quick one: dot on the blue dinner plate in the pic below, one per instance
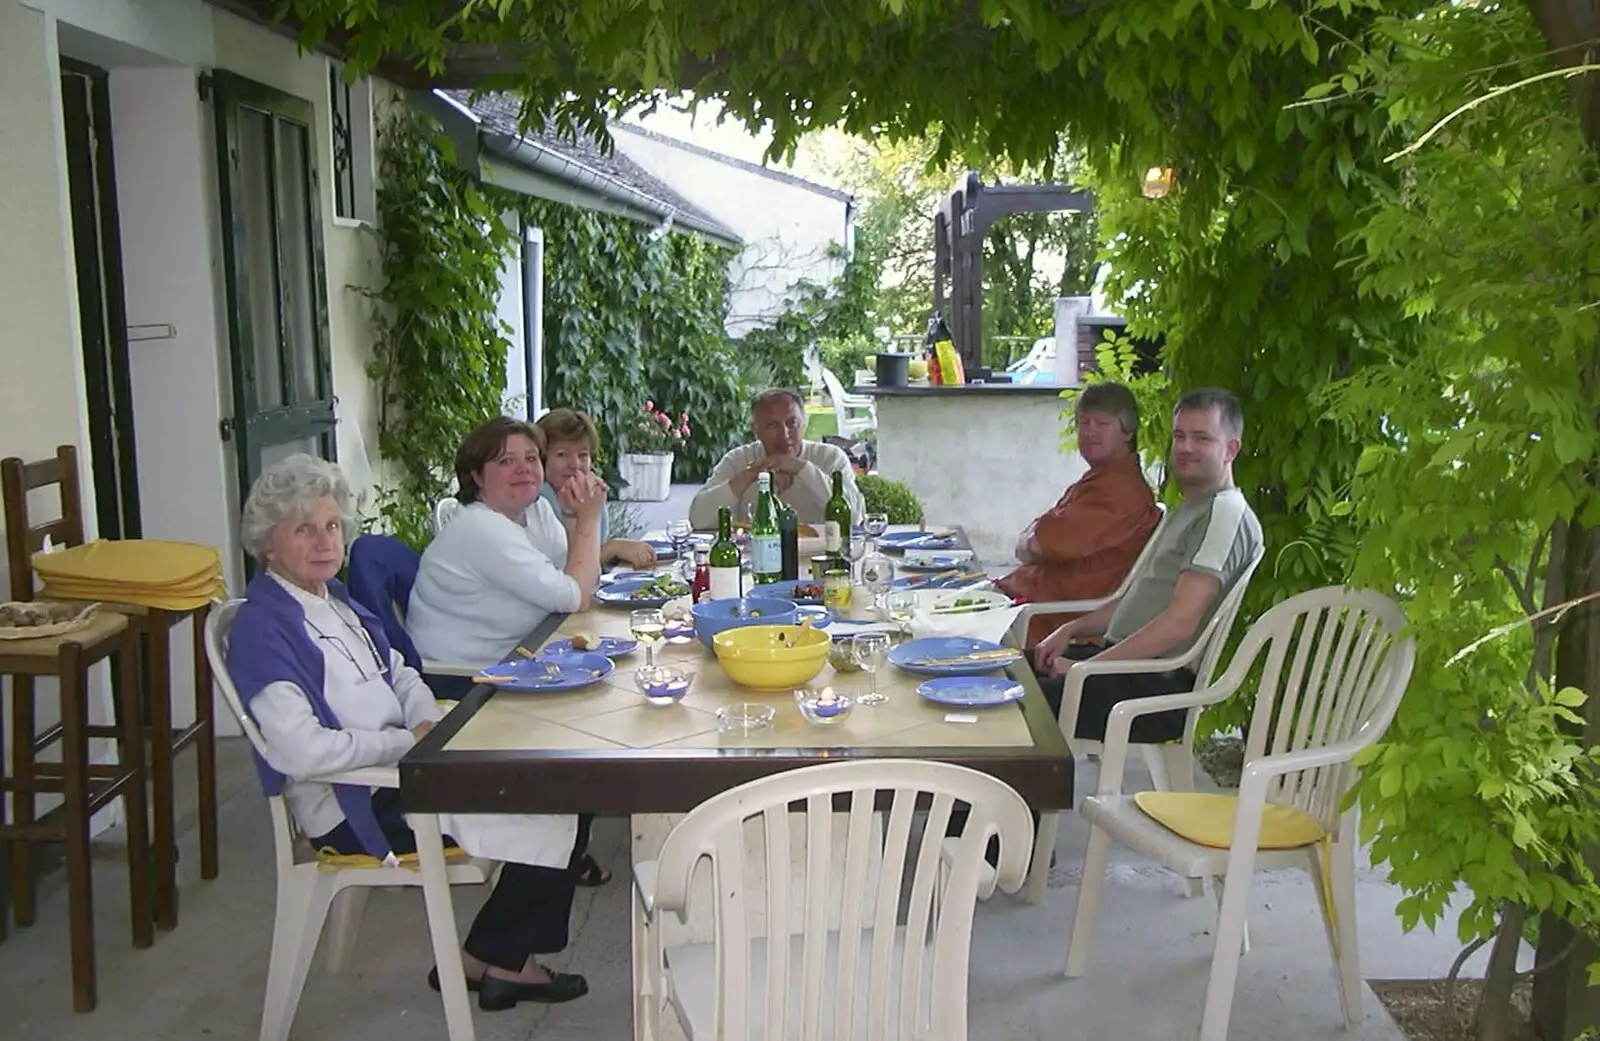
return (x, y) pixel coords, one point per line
(971, 691)
(912, 653)
(547, 675)
(942, 582)
(903, 540)
(663, 548)
(785, 590)
(610, 646)
(937, 562)
(621, 593)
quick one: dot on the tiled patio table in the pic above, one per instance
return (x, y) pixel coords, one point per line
(603, 749)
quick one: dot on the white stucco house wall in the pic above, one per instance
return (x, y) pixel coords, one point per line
(164, 364)
(792, 228)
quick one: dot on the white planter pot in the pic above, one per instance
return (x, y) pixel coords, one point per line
(648, 477)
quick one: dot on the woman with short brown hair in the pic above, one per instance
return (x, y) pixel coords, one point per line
(505, 560)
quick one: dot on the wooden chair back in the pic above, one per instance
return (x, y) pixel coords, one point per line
(24, 538)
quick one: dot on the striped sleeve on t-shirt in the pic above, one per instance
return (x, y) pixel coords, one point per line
(1223, 537)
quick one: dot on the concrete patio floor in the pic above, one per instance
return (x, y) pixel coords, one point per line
(1145, 982)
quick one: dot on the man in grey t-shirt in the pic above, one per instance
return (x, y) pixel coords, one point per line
(1200, 553)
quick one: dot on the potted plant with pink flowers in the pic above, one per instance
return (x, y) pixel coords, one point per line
(651, 439)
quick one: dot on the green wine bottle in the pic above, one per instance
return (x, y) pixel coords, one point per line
(766, 550)
(836, 519)
(725, 574)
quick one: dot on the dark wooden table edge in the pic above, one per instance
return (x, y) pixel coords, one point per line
(435, 780)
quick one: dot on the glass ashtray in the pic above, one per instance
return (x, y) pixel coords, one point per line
(823, 707)
(663, 684)
(744, 717)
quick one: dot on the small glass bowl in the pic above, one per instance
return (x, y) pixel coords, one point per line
(823, 707)
(744, 717)
(663, 684)
(842, 656)
(679, 631)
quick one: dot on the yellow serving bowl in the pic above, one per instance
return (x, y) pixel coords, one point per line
(771, 657)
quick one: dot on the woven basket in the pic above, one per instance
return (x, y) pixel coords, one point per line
(74, 616)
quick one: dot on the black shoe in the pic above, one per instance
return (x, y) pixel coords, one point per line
(433, 980)
(590, 874)
(495, 994)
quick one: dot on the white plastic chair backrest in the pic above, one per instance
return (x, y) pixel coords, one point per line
(1336, 663)
(1216, 632)
(1042, 351)
(1145, 551)
(862, 899)
(835, 389)
(218, 624)
(443, 510)
(1214, 638)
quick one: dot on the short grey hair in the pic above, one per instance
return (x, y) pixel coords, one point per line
(1223, 401)
(289, 489)
(773, 395)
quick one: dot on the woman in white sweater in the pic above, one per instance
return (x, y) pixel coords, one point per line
(505, 560)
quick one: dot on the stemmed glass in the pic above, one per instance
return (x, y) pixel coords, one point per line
(871, 651)
(647, 627)
(852, 551)
(877, 574)
(678, 533)
(876, 524)
(900, 605)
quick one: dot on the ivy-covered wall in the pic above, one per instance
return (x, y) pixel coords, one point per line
(630, 319)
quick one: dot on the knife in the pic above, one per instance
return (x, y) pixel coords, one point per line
(1000, 656)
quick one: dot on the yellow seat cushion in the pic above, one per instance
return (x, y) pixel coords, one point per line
(174, 576)
(1207, 820)
(150, 563)
(329, 859)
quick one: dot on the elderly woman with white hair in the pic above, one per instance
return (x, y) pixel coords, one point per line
(329, 694)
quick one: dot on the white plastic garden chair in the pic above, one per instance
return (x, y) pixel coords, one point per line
(851, 967)
(1171, 763)
(1348, 664)
(844, 404)
(310, 891)
(443, 511)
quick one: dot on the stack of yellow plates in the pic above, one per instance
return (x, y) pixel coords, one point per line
(173, 576)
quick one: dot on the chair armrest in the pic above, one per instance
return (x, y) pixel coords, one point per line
(1310, 759)
(1072, 686)
(1114, 752)
(1065, 606)
(372, 776)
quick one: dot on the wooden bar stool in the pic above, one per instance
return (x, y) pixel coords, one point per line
(85, 786)
(152, 628)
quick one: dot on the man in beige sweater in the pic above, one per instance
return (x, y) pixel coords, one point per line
(802, 471)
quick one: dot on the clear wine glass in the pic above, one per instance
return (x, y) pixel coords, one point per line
(871, 651)
(678, 533)
(877, 575)
(900, 605)
(647, 627)
(852, 551)
(876, 524)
